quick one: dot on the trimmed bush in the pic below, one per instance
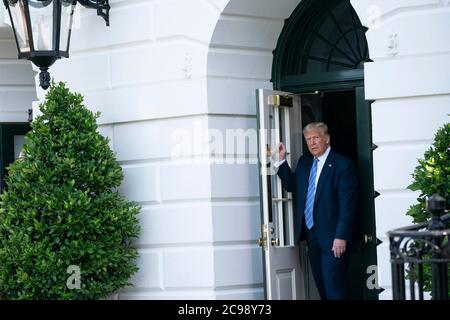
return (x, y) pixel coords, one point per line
(61, 212)
(431, 176)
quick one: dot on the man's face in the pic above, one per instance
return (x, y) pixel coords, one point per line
(317, 142)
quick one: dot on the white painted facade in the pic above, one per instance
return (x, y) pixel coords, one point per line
(167, 71)
(17, 86)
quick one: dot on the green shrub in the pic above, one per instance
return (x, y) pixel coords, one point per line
(431, 176)
(61, 208)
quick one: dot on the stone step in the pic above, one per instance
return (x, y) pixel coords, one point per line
(6, 32)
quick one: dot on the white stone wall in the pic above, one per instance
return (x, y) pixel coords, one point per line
(146, 73)
(157, 75)
(410, 81)
(168, 74)
(17, 90)
(239, 62)
(4, 19)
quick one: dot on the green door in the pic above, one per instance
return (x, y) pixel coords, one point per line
(364, 260)
(12, 137)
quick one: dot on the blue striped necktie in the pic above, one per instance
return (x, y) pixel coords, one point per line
(310, 195)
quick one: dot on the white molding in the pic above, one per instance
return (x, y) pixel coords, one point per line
(373, 13)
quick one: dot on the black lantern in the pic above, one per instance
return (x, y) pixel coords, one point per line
(42, 29)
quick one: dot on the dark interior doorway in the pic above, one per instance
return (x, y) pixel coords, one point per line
(343, 111)
(339, 113)
(338, 110)
(12, 137)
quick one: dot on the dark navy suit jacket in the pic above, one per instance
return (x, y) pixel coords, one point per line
(336, 198)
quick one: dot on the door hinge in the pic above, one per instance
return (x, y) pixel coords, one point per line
(262, 242)
(280, 100)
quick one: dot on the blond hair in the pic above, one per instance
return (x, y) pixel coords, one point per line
(316, 125)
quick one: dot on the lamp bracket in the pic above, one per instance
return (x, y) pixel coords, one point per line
(102, 7)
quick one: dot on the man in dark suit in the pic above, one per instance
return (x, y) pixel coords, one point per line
(326, 184)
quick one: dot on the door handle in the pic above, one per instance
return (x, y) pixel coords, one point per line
(262, 242)
(275, 241)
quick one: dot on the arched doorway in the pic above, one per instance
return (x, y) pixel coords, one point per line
(323, 38)
(320, 58)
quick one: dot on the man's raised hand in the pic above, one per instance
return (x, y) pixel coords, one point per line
(281, 151)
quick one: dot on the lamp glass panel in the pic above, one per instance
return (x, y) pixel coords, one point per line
(17, 11)
(67, 10)
(41, 16)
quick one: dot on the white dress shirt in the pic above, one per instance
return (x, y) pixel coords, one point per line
(320, 164)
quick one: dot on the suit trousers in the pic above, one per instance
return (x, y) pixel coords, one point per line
(330, 273)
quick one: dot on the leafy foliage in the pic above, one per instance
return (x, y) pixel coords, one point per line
(61, 208)
(431, 176)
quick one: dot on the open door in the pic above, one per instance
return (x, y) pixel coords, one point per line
(278, 121)
(281, 117)
(366, 258)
